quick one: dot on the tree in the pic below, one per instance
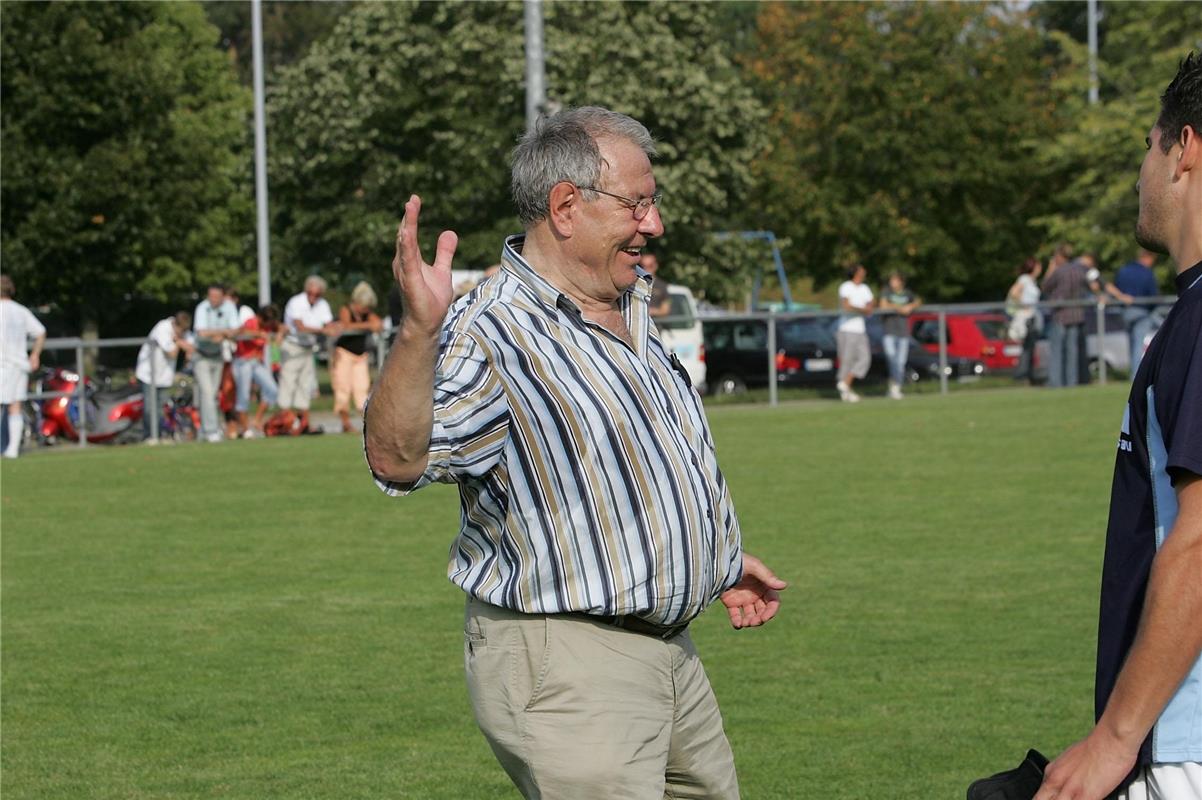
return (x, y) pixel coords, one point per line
(904, 137)
(1094, 163)
(429, 98)
(124, 171)
(289, 29)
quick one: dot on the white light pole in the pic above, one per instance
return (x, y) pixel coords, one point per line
(261, 157)
(536, 88)
(1093, 52)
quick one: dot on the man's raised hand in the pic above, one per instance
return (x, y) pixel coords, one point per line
(425, 288)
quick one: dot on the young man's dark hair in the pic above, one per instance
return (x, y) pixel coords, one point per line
(1181, 103)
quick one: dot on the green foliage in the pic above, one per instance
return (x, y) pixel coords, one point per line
(123, 132)
(428, 98)
(289, 29)
(903, 136)
(1094, 163)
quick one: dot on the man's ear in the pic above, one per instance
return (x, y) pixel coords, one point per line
(564, 203)
(1191, 153)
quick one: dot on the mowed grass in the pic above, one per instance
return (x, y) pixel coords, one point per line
(256, 620)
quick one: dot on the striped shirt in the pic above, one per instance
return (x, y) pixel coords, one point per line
(586, 470)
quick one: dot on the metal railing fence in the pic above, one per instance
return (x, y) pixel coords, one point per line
(383, 342)
(942, 312)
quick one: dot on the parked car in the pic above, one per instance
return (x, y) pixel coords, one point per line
(976, 336)
(920, 364)
(682, 335)
(736, 354)
(1114, 345)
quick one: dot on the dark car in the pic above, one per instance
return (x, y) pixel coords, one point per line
(736, 354)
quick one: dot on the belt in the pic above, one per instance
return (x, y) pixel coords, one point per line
(639, 625)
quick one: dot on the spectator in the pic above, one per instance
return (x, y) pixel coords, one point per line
(306, 316)
(593, 509)
(17, 359)
(349, 375)
(1026, 323)
(897, 298)
(660, 303)
(1136, 280)
(851, 338)
(1147, 743)
(1070, 281)
(250, 368)
(156, 362)
(215, 323)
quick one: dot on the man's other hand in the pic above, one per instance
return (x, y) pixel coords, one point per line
(755, 599)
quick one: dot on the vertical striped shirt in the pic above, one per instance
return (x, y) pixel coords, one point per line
(586, 470)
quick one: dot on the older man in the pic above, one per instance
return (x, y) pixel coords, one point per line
(1147, 742)
(595, 521)
(306, 316)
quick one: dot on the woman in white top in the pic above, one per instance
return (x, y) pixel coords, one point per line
(1025, 320)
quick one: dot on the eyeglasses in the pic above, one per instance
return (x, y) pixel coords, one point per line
(641, 208)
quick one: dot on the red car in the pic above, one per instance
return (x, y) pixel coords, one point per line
(979, 336)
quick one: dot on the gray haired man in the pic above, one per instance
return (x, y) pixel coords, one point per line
(595, 522)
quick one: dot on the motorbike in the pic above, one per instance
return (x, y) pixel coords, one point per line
(113, 414)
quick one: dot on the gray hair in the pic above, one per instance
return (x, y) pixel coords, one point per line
(563, 147)
(315, 282)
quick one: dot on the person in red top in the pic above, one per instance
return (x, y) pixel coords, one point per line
(250, 368)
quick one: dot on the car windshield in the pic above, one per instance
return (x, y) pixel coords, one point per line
(680, 316)
(992, 328)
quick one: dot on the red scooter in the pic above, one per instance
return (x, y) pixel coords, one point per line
(113, 415)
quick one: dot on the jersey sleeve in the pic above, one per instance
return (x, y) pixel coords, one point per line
(471, 418)
(1183, 428)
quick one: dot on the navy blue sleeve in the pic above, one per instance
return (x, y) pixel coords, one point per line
(1183, 428)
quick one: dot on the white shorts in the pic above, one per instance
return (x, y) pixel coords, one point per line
(1166, 782)
(14, 385)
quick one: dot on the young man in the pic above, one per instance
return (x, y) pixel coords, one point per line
(1133, 282)
(899, 303)
(851, 338)
(1147, 742)
(595, 522)
(17, 359)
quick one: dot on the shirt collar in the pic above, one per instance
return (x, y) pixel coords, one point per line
(1188, 279)
(511, 258)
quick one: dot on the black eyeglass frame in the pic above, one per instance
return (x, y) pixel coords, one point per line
(641, 208)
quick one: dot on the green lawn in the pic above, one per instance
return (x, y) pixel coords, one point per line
(255, 620)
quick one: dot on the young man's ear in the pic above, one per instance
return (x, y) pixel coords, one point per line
(1190, 158)
(564, 208)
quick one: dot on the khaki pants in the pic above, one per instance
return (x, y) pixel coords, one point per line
(579, 709)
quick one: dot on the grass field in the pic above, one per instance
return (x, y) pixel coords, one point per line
(256, 620)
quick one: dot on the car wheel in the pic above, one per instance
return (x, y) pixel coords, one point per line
(729, 384)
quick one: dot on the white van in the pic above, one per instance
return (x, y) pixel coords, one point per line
(680, 332)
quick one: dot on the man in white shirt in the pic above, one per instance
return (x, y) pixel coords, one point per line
(156, 361)
(306, 316)
(855, 356)
(215, 322)
(17, 326)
